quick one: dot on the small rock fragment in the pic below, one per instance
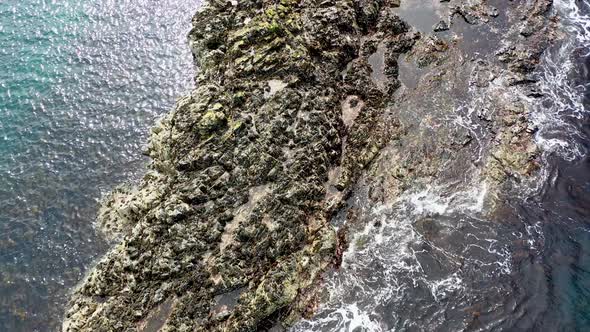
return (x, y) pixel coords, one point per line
(441, 26)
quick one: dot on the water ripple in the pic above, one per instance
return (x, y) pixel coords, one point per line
(80, 84)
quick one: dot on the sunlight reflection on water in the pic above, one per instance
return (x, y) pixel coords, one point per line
(81, 82)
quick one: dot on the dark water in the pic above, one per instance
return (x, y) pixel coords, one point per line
(81, 82)
(559, 298)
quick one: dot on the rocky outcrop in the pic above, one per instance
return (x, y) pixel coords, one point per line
(230, 230)
(467, 105)
(238, 196)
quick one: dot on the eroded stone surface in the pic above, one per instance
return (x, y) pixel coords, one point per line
(235, 196)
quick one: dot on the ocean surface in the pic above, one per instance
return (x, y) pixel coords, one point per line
(81, 83)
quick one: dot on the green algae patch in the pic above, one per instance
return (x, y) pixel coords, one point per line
(212, 121)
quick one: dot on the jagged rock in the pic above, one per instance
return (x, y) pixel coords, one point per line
(295, 100)
(441, 26)
(235, 197)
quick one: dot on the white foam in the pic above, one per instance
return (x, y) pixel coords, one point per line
(388, 267)
(434, 201)
(562, 103)
(344, 319)
(442, 288)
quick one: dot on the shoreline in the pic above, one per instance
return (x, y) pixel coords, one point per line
(295, 103)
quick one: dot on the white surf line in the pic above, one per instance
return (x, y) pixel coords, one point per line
(401, 268)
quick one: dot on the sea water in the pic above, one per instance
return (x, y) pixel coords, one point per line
(81, 82)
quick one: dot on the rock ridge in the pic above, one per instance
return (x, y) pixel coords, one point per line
(238, 197)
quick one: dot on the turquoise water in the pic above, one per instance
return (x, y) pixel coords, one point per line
(81, 82)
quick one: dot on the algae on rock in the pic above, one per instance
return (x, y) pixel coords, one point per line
(294, 101)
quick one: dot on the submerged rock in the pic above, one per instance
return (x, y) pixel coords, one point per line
(243, 184)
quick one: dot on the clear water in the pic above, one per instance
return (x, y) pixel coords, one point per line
(81, 82)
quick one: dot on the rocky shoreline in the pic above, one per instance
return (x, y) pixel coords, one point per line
(296, 104)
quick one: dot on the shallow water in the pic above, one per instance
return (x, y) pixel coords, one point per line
(423, 15)
(81, 82)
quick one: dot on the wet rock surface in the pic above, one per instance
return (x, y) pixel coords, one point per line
(295, 103)
(465, 109)
(422, 221)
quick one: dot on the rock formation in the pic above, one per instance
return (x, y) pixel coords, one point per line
(230, 229)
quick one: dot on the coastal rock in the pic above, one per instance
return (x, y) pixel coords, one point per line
(234, 198)
(441, 26)
(298, 103)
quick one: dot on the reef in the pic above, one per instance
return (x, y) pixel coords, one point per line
(296, 102)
